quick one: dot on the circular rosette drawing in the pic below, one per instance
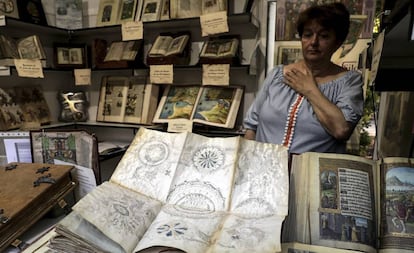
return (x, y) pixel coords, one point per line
(153, 153)
(208, 158)
(196, 196)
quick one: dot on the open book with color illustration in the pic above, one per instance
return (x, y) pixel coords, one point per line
(209, 105)
(184, 191)
(350, 202)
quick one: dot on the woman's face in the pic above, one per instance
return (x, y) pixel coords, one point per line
(318, 43)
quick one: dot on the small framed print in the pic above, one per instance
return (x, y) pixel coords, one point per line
(151, 10)
(70, 55)
(288, 53)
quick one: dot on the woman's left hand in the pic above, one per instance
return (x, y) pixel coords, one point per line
(300, 79)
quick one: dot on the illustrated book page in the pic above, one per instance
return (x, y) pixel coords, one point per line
(218, 106)
(151, 10)
(333, 202)
(167, 45)
(180, 9)
(9, 8)
(108, 12)
(123, 50)
(127, 100)
(111, 106)
(69, 14)
(177, 102)
(76, 147)
(307, 248)
(188, 192)
(31, 48)
(209, 105)
(397, 204)
(210, 6)
(219, 48)
(8, 47)
(127, 11)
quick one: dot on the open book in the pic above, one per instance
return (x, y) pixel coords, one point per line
(220, 48)
(209, 105)
(29, 47)
(127, 99)
(165, 45)
(123, 50)
(184, 191)
(350, 202)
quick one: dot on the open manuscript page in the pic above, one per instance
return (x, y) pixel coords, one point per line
(333, 202)
(396, 217)
(189, 192)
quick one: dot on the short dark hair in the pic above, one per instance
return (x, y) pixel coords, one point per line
(331, 16)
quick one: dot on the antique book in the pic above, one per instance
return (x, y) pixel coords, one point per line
(123, 50)
(351, 202)
(127, 11)
(71, 146)
(23, 105)
(8, 47)
(220, 48)
(151, 10)
(27, 192)
(127, 99)
(165, 45)
(108, 12)
(29, 47)
(180, 9)
(187, 192)
(31, 11)
(69, 14)
(11, 116)
(70, 55)
(210, 6)
(33, 103)
(9, 9)
(99, 50)
(208, 105)
(165, 10)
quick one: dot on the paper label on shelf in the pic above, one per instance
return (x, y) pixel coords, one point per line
(82, 76)
(180, 125)
(29, 68)
(5, 71)
(216, 74)
(161, 74)
(132, 30)
(2, 20)
(214, 23)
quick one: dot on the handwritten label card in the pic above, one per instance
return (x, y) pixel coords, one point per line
(180, 125)
(214, 23)
(82, 76)
(29, 68)
(161, 74)
(132, 30)
(216, 74)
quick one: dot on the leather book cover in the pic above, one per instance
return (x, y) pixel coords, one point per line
(27, 192)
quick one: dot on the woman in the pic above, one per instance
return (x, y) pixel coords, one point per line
(314, 104)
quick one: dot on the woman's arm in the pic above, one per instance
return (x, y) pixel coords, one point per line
(329, 115)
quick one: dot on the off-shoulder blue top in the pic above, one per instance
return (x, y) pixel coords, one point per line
(269, 112)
